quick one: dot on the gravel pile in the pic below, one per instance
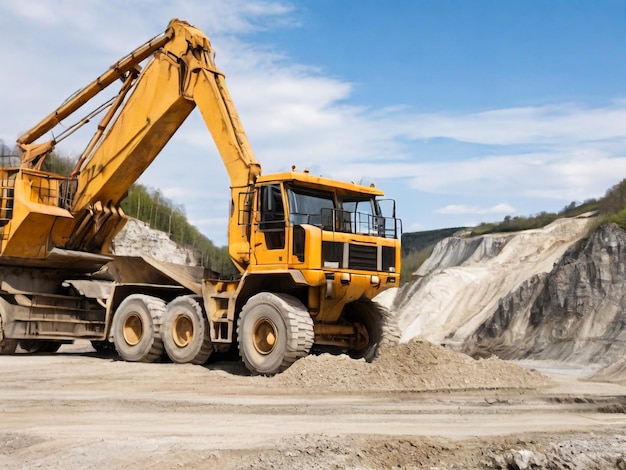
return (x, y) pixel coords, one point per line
(415, 366)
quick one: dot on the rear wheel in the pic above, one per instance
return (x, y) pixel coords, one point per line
(186, 335)
(136, 328)
(381, 327)
(273, 330)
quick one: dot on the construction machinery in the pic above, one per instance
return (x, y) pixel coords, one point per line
(312, 252)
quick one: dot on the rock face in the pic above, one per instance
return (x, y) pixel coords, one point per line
(558, 293)
(138, 239)
(575, 313)
(456, 251)
(461, 285)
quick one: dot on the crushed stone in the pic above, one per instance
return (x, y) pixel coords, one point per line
(413, 366)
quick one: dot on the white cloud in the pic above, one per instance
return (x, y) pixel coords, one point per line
(552, 124)
(560, 174)
(501, 209)
(458, 209)
(38, 11)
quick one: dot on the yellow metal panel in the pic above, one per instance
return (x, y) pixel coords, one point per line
(33, 216)
(151, 116)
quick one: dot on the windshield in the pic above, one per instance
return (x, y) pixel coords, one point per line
(350, 214)
(306, 206)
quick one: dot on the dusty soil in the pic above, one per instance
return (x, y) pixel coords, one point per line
(417, 406)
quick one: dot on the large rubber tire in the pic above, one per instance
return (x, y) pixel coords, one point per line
(39, 346)
(185, 332)
(136, 328)
(8, 346)
(273, 330)
(381, 327)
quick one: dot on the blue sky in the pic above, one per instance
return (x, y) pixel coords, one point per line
(462, 111)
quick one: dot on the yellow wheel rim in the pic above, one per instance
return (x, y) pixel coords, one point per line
(264, 336)
(133, 329)
(182, 333)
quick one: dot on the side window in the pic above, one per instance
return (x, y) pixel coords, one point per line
(272, 216)
(364, 215)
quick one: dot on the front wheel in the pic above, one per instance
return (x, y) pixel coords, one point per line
(136, 328)
(186, 334)
(274, 330)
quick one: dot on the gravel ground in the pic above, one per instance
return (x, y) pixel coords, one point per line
(417, 406)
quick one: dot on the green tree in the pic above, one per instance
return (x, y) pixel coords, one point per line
(614, 200)
(59, 164)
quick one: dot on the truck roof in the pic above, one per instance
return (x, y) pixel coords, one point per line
(307, 179)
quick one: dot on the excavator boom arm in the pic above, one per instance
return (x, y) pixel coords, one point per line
(180, 76)
(115, 72)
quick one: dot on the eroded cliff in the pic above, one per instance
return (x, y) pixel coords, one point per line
(461, 285)
(557, 293)
(575, 313)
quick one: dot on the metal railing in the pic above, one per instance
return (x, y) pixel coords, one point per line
(338, 220)
(7, 192)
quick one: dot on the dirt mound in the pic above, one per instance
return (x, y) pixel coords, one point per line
(414, 366)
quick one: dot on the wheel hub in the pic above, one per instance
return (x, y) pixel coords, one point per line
(133, 329)
(182, 333)
(264, 336)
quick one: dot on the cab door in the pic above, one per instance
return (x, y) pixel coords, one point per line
(270, 238)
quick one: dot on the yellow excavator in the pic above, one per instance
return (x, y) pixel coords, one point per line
(311, 251)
